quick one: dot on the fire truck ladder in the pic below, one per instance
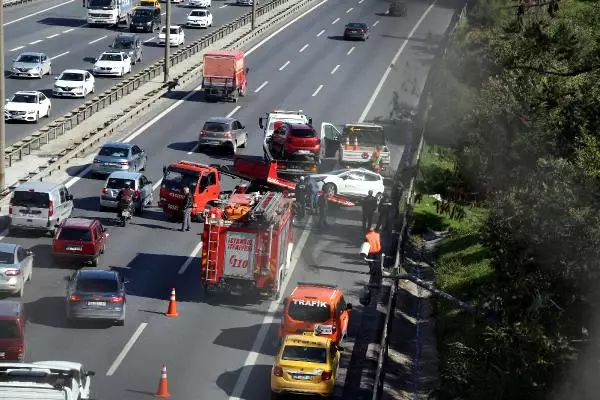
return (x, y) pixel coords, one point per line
(212, 252)
(265, 210)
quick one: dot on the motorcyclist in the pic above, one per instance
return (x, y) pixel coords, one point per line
(125, 198)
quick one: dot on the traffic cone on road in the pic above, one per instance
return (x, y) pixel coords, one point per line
(355, 143)
(347, 145)
(172, 310)
(163, 384)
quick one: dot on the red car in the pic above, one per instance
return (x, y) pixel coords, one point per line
(295, 139)
(12, 331)
(79, 239)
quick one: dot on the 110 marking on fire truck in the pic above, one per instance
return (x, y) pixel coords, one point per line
(239, 254)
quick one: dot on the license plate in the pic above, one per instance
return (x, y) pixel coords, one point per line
(324, 329)
(302, 377)
(97, 303)
(3, 355)
(73, 248)
(172, 207)
(303, 152)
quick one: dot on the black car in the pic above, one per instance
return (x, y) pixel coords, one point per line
(356, 30)
(145, 19)
(97, 294)
(129, 43)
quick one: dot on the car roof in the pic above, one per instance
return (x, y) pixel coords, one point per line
(124, 175)
(146, 8)
(355, 23)
(221, 120)
(315, 341)
(62, 365)
(74, 71)
(121, 145)
(27, 92)
(9, 308)
(365, 125)
(31, 53)
(113, 52)
(78, 222)
(95, 273)
(8, 247)
(131, 36)
(37, 187)
(318, 291)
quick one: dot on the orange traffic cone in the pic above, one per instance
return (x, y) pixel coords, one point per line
(163, 384)
(347, 145)
(355, 143)
(172, 310)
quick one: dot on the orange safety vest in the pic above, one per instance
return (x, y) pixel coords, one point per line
(374, 242)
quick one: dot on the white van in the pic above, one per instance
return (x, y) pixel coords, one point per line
(40, 206)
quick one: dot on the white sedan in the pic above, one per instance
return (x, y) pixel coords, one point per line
(27, 106)
(199, 19)
(351, 182)
(74, 83)
(176, 36)
(200, 3)
(111, 63)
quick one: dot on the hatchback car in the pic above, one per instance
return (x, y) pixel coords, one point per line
(223, 131)
(355, 182)
(356, 30)
(131, 44)
(295, 139)
(79, 239)
(137, 181)
(16, 267)
(96, 294)
(12, 331)
(119, 156)
(31, 65)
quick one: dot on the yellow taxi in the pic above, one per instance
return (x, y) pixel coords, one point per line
(305, 364)
(149, 3)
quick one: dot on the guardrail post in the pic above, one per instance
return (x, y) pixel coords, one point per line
(2, 89)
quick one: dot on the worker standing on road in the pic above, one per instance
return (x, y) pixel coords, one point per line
(374, 239)
(369, 205)
(385, 212)
(376, 159)
(314, 192)
(323, 204)
(188, 205)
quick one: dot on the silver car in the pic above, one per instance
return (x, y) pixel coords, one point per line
(137, 181)
(16, 267)
(223, 131)
(31, 65)
(118, 156)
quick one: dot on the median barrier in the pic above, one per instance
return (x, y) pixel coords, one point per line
(10, 3)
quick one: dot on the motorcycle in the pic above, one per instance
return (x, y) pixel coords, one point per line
(126, 213)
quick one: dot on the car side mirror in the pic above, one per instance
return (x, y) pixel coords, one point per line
(344, 178)
(310, 121)
(243, 126)
(125, 282)
(349, 306)
(150, 182)
(260, 123)
(164, 169)
(56, 78)
(142, 169)
(69, 197)
(285, 301)
(57, 225)
(91, 373)
(29, 252)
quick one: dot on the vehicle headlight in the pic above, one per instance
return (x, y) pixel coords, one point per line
(149, 23)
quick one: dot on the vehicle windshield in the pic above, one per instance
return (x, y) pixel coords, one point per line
(110, 57)
(70, 76)
(7, 258)
(8, 329)
(28, 58)
(215, 127)
(355, 25)
(302, 133)
(365, 135)
(117, 152)
(30, 199)
(288, 120)
(79, 234)
(175, 180)
(24, 98)
(304, 353)
(101, 4)
(173, 31)
(123, 44)
(119, 183)
(309, 313)
(97, 285)
(148, 3)
(198, 13)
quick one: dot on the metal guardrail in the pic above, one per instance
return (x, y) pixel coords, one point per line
(60, 126)
(9, 3)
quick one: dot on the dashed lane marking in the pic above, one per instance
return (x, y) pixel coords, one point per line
(14, 21)
(335, 21)
(303, 48)
(189, 260)
(284, 65)
(97, 40)
(262, 85)
(126, 349)
(60, 55)
(68, 30)
(375, 23)
(350, 51)
(335, 69)
(320, 33)
(36, 41)
(349, 10)
(316, 92)
(17, 48)
(53, 36)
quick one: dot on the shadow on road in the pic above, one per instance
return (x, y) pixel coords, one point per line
(61, 21)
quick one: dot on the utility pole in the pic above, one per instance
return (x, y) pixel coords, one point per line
(254, 14)
(2, 103)
(167, 42)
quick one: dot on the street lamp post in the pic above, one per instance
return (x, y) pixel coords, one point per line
(167, 42)
(2, 102)
(254, 14)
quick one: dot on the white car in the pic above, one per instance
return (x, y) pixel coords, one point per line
(176, 36)
(27, 106)
(351, 182)
(81, 378)
(115, 63)
(200, 3)
(74, 83)
(199, 19)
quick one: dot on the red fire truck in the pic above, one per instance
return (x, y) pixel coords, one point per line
(247, 244)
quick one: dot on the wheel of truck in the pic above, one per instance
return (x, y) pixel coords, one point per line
(329, 188)
(233, 148)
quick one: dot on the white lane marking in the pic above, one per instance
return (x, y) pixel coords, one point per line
(266, 323)
(97, 40)
(36, 41)
(223, 6)
(233, 111)
(17, 48)
(316, 92)
(284, 65)
(360, 1)
(303, 48)
(52, 36)
(320, 33)
(262, 85)
(160, 116)
(350, 9)
(394, 60)
(350, 51)
(193, 150)
(4, 234)
(165, 13)
(335, 69)
(149, 40)
(37, 13)
(334, 21)
(60, 55)
(69, 30)
(189, 260)
(126, 349)
(375, 23)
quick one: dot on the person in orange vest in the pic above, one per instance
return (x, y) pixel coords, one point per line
(374, 239)
(376, 159)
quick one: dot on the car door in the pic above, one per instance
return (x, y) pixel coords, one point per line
(344, 315)
(210, 17)
(86, 381)
(89, 82)
(145, 189)
(330, 135)
(44, 103)
(351, 183)
(21, 264)
(126, 63)
(136, 157)
(60, 208)
(181, 35)
(372, 182)
(45, 64)
(68, 205)
(138, 50)
(235, 131)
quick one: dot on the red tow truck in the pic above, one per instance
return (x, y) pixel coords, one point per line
(247, 244)
(224, 75)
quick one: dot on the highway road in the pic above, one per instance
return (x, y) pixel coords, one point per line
(223, 348)
(59, 29)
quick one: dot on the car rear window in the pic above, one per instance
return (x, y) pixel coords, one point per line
(304, 353)
(81, 234)
(119, 183)
(215, 127)
(113, 152)
(8, 329)
(309, 313)
(355, 26)
(302, 133)
(30, 199)
(97, 285)
(6, 258)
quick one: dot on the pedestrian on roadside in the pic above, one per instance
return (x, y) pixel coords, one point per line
(385, 212)
(323, 204)
(188, 205)
(369, 205)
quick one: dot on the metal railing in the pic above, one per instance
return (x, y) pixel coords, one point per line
(60, 126)
(9, 3)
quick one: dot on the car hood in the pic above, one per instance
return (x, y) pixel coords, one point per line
(26, 65)
(60, 82)
(10, 106)
(109, 64)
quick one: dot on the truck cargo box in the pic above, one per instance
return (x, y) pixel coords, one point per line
(222, 64)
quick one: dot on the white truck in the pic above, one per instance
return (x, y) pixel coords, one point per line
(45, 380)
(294, 117)
(107, 12)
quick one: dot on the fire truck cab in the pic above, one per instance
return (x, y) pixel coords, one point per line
(203, 181)
(247, 244)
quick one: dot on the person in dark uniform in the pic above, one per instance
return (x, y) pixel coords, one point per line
(322, 203)
(385, 212)
(369, 205)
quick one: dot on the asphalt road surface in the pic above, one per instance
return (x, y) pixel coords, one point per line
(223, 348)
(59, 29)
